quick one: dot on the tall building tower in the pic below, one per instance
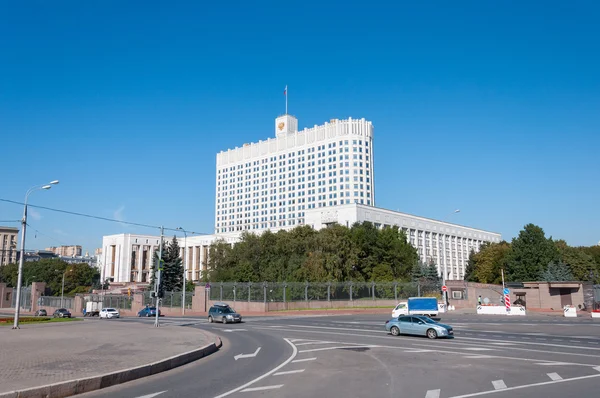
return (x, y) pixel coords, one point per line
(270, 184)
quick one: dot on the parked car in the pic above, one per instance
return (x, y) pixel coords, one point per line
(418, 325)
(222, 312)
(109, 313)
(61, 313)
(41, 312)
(149, 311)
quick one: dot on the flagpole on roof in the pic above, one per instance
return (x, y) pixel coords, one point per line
(285, 92)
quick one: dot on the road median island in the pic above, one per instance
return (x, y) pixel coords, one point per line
(91, 366)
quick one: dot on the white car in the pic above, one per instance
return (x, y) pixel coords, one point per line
(109, 313)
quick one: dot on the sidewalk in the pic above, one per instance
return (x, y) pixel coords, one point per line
(38, 355)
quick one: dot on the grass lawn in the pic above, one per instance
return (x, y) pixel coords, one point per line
(9, 321)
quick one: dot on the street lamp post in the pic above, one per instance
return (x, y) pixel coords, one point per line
(62, 292)
(21, 259)
(184, 270)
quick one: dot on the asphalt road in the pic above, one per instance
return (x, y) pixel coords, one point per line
(353, 356)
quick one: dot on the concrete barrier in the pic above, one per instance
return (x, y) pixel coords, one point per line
(517, 310)
(595, 314)
(570, 311)
(80, 386)
(500, 310)
(441, 307)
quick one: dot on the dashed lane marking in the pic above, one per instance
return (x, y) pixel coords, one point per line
(347, 347)
(433, 394)
(554, 376)
(499, 384)
(552, 363)
(262, 388)
(478, 356)
(477, 394)
(317, 342)
(304, 360)
(289, 372)
(506, 344)
(477, 349)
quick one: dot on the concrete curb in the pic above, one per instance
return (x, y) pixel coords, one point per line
(92, 383)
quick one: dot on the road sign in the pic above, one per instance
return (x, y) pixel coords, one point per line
(507, 302)
(506, 291)
(444, 288)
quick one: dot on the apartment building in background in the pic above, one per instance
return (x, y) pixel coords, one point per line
(8, 245)
(66, 251)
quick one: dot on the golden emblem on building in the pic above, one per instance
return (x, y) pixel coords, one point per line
(280, 126)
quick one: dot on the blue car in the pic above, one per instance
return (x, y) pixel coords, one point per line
(148, 311)
(419, 326)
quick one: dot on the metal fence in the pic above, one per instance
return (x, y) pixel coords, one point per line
(119, 301)
(25, 298)
(58, 302)
(170, 299)
(328, 291)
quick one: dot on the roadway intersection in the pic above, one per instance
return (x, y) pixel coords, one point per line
(353, 355)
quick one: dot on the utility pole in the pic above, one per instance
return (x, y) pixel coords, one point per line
(157, 285)
(184, 270)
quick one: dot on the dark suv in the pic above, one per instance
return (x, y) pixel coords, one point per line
(61, 313)
(221, 312)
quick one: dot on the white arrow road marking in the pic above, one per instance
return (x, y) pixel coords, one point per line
(152, 395)
(554, 376)
(240, 356)
(597, 368)
(433, 394)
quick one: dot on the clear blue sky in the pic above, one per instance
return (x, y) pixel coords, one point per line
(488, 107)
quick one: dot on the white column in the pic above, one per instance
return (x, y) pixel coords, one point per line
(194, 267)
(140, 262)
(455, 248)
(201, 265)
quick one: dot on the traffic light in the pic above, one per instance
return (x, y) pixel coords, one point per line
(129, 292)
(161, 290)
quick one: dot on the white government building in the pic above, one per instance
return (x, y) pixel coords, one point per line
(317, 176)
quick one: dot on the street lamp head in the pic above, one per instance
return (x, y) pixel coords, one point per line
(47, 187)
(54, 182)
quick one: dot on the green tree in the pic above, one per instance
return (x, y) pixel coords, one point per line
(557, 271)
(79, 278)
(529, 254)
(579, 262)
(470, 268)
(485, 265)
(171, 277)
